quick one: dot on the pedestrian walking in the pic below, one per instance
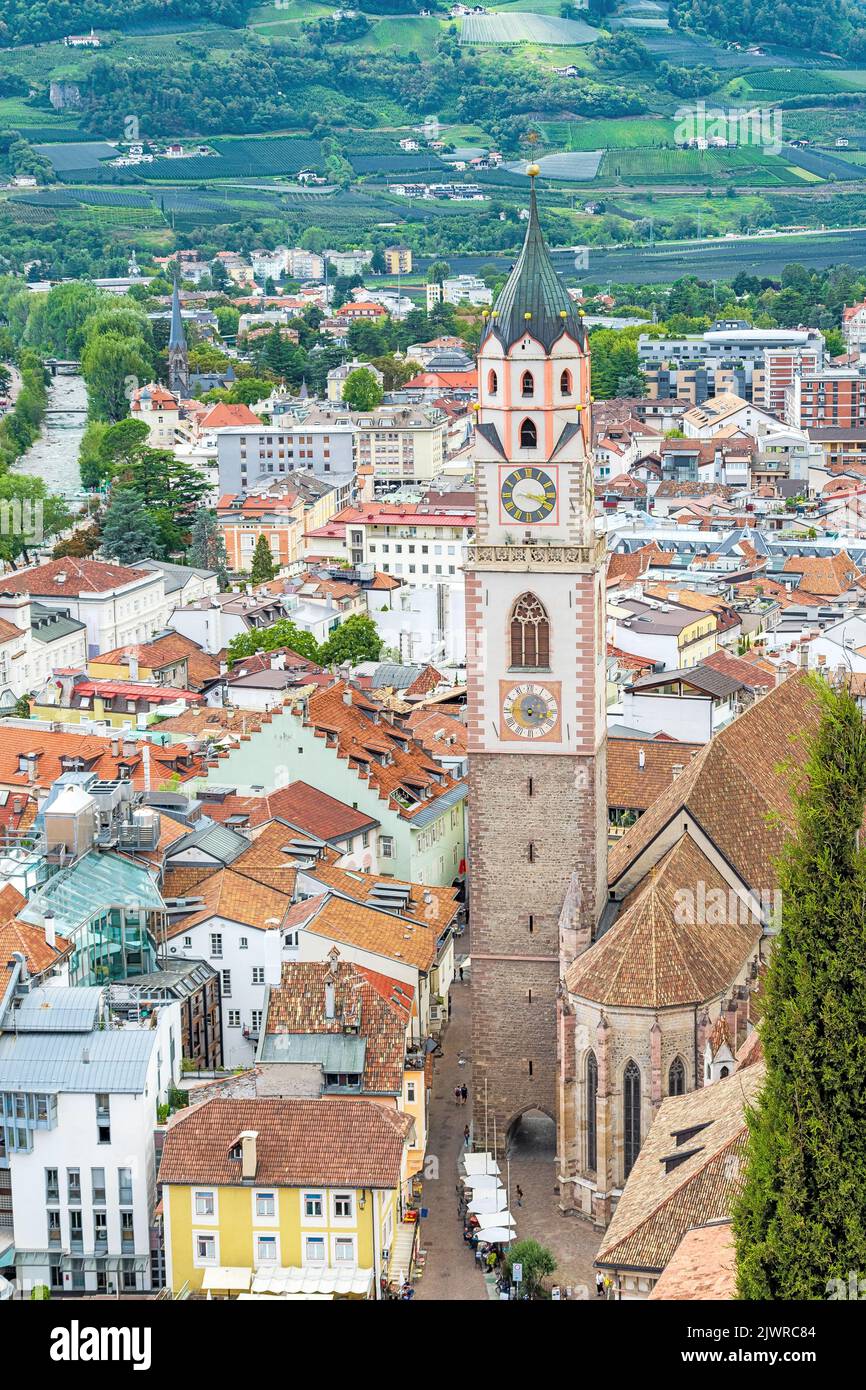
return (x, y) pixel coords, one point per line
(464, 1093)
(461, 974)
(599, 1284)
(457, 1095)
(466, 1137)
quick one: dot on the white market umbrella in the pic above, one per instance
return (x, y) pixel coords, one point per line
(499, 1235)
(494, 1220)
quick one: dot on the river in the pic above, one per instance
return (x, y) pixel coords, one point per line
(54, 456)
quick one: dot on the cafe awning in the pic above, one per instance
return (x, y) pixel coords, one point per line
(226, 1278)
(315, 1279)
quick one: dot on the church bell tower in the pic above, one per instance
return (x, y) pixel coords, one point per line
(536, 684)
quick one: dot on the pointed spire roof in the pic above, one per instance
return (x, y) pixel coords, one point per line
(534, 299)
(304, 393)
(177, 337)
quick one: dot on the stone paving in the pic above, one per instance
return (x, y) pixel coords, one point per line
(450, 1272)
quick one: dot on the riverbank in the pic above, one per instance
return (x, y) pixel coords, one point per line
(53, 457)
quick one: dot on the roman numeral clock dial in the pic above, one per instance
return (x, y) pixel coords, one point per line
(528, 494)
(530, 710)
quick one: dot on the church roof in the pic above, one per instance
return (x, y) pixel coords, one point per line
(534, 299)
(176, 337)
(687, 1172)
(735, 790)
(658, 954)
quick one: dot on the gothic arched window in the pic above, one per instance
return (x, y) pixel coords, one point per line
(528, 435)
(530, 633)
(527, 384)
(492, 383)
(677, 1078)
(630, 1115)
(591, 1124)
(565, 384)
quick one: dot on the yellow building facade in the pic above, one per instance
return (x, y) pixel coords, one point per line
(265, 1228)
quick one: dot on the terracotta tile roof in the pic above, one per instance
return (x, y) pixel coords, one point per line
(409, 773)
(650, 957)
(222, 414)
(428, 904)
(441, 735)
(269, 861)
(702, 1266)
(381, 933)
(163, 651)
(740, 669)
(335, 1142)
(8, 631)
(230, 895)
(634, 785)
(827, 575)
(317, 813)
(297, 1005)
(658, 1206)
(734, 786)
(28, 940)
(70, 576)
(95, 754)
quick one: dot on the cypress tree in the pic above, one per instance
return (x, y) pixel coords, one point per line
(263, 567)
(800, 1219)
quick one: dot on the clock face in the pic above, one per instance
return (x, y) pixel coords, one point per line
(528, 494)
(530, 710)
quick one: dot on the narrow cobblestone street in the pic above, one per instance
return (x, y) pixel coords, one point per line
(450, 1272)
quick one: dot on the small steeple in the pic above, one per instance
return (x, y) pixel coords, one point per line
(534, 299)
(178, 356)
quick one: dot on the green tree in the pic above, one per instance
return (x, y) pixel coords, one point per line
(114, 367)
(263, 567)
(129, 532)
(799, 1220)
(92, 467)
(30, 515)
(354, 640)
(536, 1261)
(56, 322)
(268, 639)
(439, 271)
(361, 390)
(207, 547)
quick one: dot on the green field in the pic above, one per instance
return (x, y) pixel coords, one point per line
(631, 132)
(409, 34)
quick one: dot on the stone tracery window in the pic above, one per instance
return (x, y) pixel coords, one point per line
(527, 384)
(591, 1120)
(630, 1115)
(530, 633)
(677, 1078)
(565, 383)
(492, 383)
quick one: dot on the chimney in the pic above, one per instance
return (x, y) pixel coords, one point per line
(675, 771)
(641, 759)
(50, 934)
(115, 748)
(330, 1001)
(145, 758)
(347, 695)
(249, 1159)
(133, 667)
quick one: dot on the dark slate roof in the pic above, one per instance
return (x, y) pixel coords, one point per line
(491, 434)
(568, 433)
(176, 337)
(704, 678)
(534, 299)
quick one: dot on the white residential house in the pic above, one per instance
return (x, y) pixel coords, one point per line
(80, 1086)
(119, 605)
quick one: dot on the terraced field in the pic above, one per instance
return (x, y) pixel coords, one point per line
(525, 28)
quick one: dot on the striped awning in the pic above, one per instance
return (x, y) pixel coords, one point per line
(315, 1279)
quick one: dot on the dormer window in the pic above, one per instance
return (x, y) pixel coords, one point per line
(527, 384)
(528, 435)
